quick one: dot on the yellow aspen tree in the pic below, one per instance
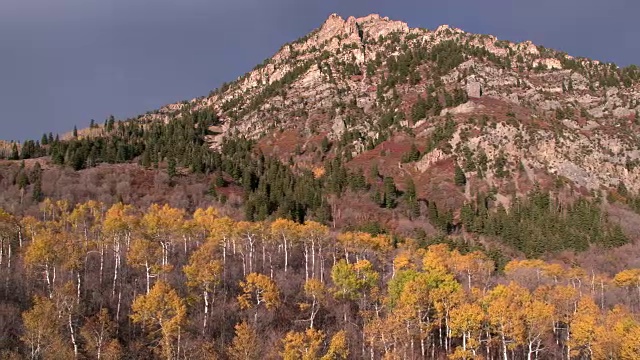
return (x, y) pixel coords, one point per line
(348, 242)
(305, 345)
(258, 289)
(437, 258)
(553, 271)
(119, 223)
(47, 208)
(80, 220)
(45, 254)
(375, 335)
(378, 245)
(163, 224)
(630, 347)
(41, 324)
(161, 311)
(288, 231)
(204, 272)
(314, 236)
(583, 328)
(350, 280)
(9, 228)
(249, 234)
(62, 208)
(146, 254)
(68, 308)
(29, 226)
(474, 265)
(245, 345)
(316, 292)
(538, 320)
(204, 220)
(505, 306)
(629, 279)
(338, 347)
(610, 331)
(221, 233)
(415, 303)
(447, 293)
(564, 299)
(402, 261)
(467, 321)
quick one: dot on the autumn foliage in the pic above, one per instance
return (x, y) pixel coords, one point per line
(92, 281)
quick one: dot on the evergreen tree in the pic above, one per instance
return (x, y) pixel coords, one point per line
(15, 155)
(36, 193)
(373, 172)
(411, 198)
(390, 193)
(459, 178)
(171, 168)
(324, 145)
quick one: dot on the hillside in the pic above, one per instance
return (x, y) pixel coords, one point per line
(371, 191)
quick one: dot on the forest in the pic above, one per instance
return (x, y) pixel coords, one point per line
(118, 282)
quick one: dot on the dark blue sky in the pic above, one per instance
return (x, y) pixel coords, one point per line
(65, 62)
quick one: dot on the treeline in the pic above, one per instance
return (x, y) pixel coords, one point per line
(539, 224)
(116, 282)
(181, 140)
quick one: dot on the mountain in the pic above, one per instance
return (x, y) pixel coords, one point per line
(464, 118)
(546, 110)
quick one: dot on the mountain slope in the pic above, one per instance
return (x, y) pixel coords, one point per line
(546, 111)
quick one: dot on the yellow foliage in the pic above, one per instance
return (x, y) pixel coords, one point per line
(338, 347)
(303, 345)
(258, 289)
(245, 345)
(162, 309)
(318, 172)
(627, 278)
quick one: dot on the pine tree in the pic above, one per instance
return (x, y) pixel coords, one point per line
(459, 178)
(36, 194)
(15, 155)
(171, 168)
(390, 193)
(412, 198)
(374, 173)
(324, 146)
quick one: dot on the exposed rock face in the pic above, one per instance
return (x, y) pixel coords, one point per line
(429, 159)
(474, 89)
(548, 63)
(524, 105)
(466, 108)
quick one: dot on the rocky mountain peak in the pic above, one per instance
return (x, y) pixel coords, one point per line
(370, 26)
(535, 113)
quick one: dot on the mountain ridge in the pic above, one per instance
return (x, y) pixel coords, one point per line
(355, 37)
